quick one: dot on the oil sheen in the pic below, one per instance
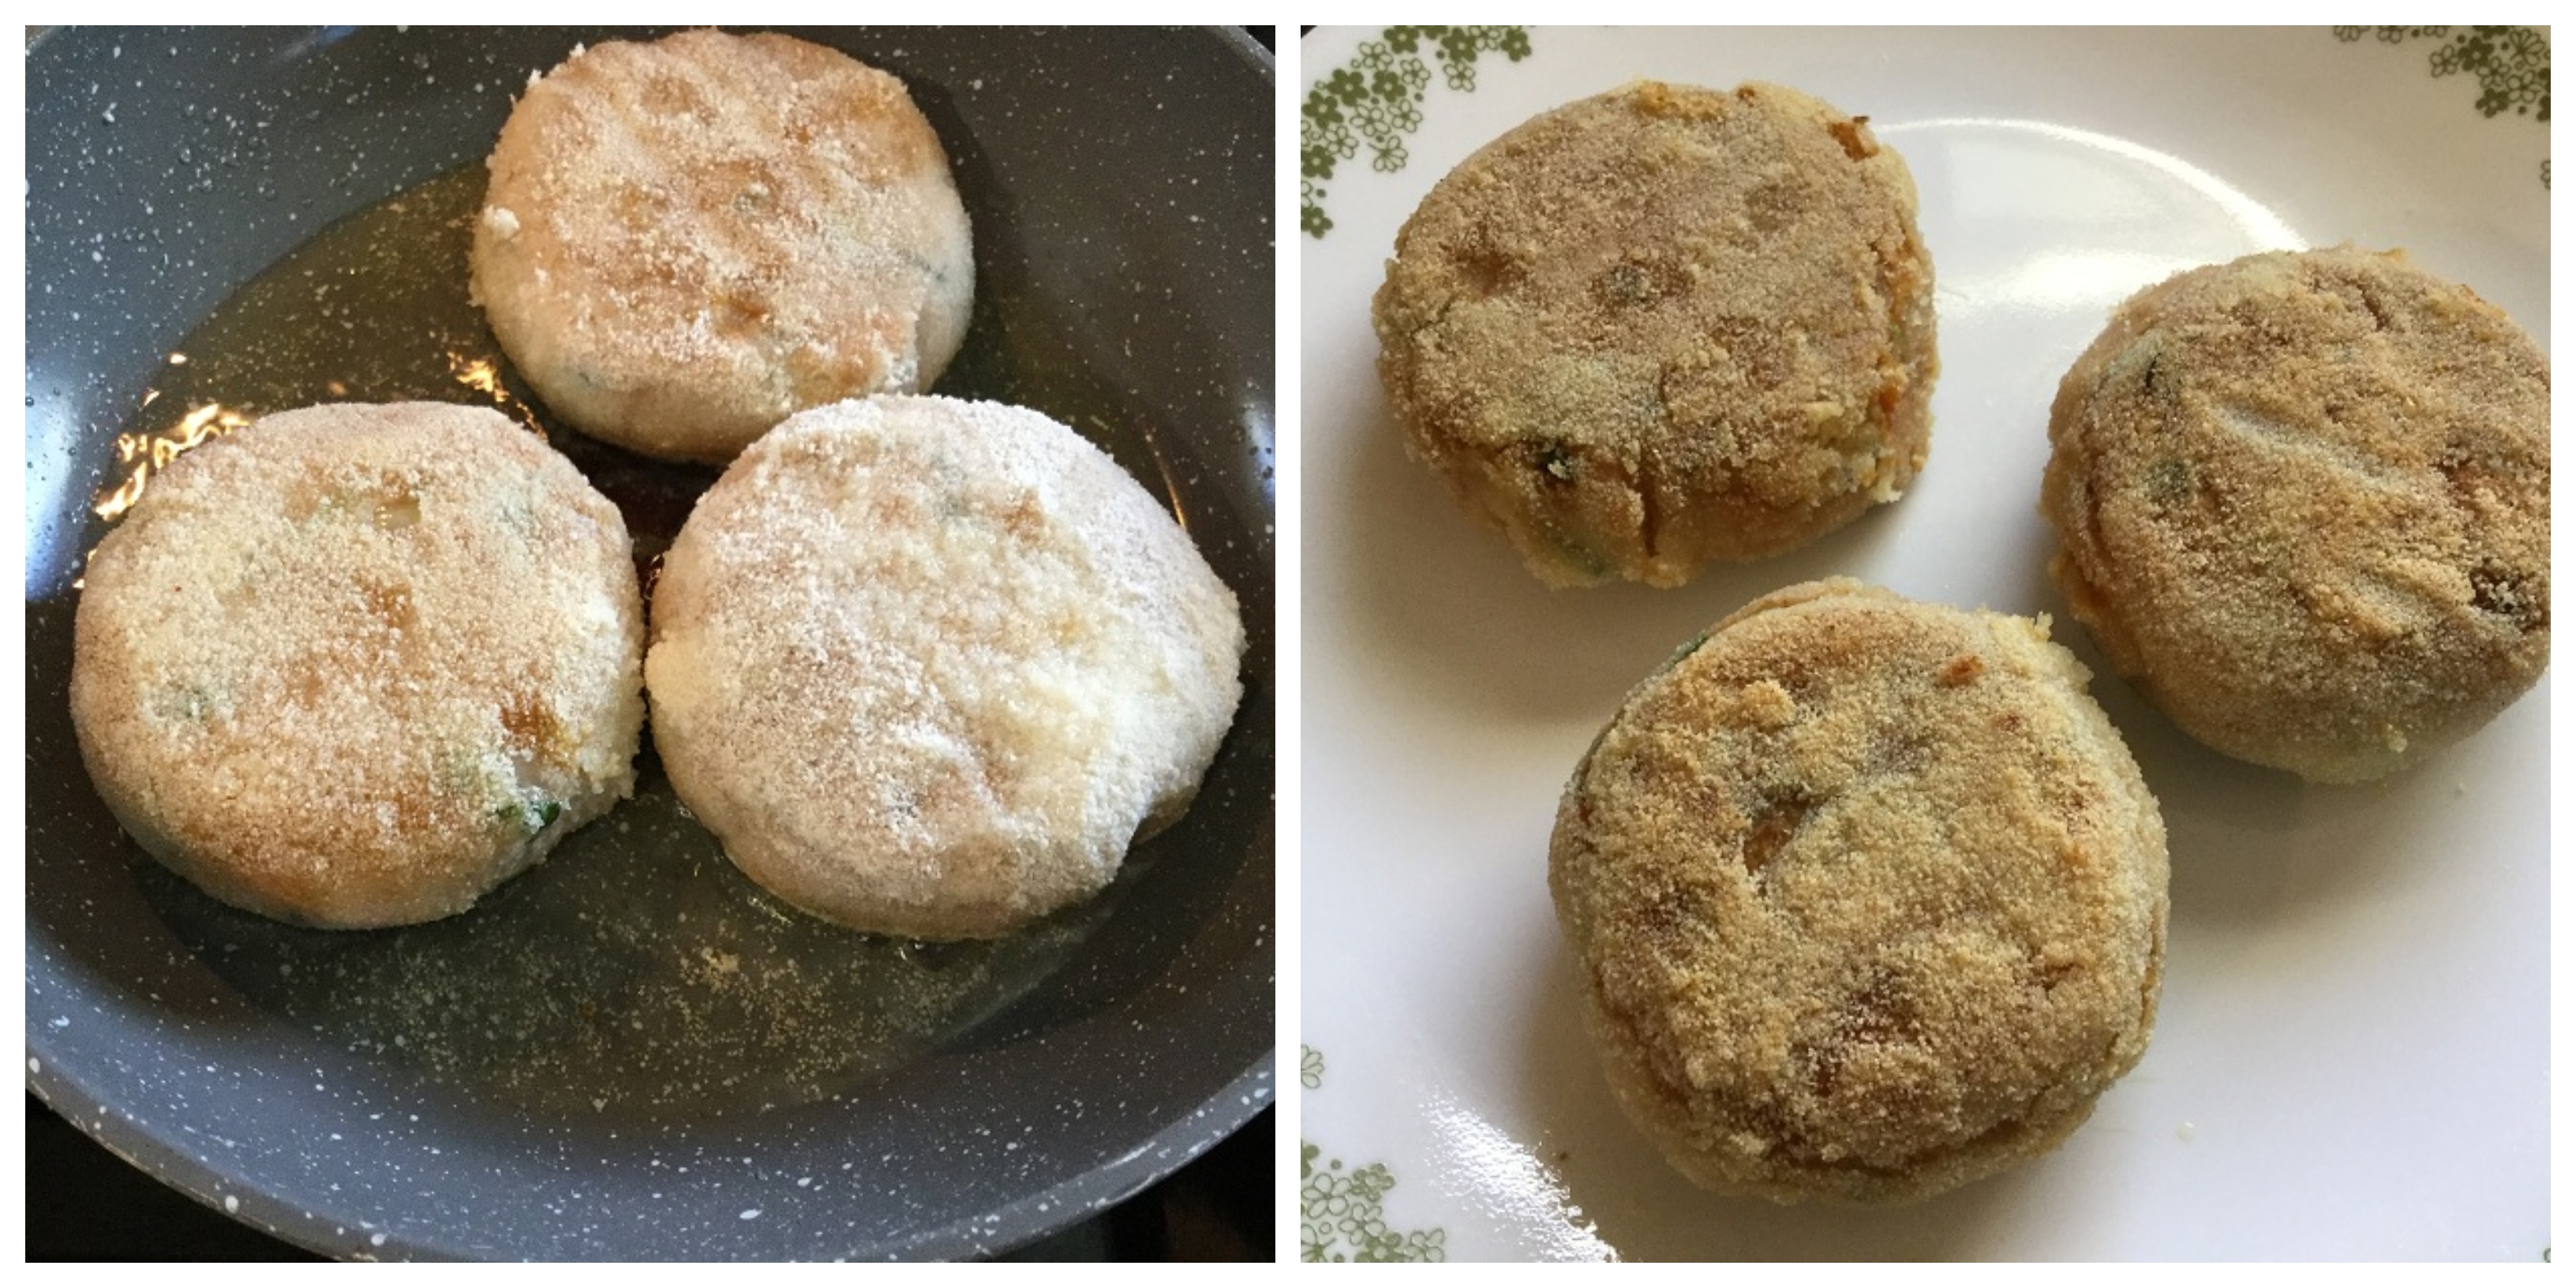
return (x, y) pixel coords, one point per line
(635, 971)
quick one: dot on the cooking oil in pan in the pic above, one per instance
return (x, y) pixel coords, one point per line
(635, 970)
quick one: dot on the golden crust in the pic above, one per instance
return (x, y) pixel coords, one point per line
(686, 240)
(2303, 500)
(1662, 326)
(928, 667)
(1868, 896)
(355, 665)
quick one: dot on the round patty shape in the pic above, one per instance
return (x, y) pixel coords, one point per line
(687, 240)
(928, 667)
(1663, 326)
(355, 665)
(1868, 897)
(2303, 501)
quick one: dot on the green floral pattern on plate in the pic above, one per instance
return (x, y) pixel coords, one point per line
(1377, 97)
(2511, 64)
(1342, 1211)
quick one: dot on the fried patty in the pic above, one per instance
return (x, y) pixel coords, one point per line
(929, 667)
(689, 239)
(2303, 503)
(1663, 326)
(356, 665)
(1868, 898)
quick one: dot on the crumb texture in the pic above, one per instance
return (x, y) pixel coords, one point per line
(686, 240)
(928, 667)
(1662, 326)
(355, 665)
(1868, 897)
(2303, 501)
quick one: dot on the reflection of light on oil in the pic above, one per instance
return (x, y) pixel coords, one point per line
(484, 377)
(1171, 481)
(652, 578)
(1265, 448)
(148, 454)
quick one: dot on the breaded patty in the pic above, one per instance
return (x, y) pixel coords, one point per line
(1663, 326)
(356, 665)
(686, 240)
(2303, 500)
(1868, 897)
(928, 667)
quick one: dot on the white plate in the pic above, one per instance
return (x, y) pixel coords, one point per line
(2351, 1056)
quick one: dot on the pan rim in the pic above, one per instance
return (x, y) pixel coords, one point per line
(67, 1075)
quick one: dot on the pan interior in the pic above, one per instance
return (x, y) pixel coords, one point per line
(690, 991)
(535, 1077)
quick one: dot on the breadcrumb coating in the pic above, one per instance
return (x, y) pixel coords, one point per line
(2303, 503)
(356, 665)
(688, 239)
(1663, 326)
(928, 667)
(1868, 896)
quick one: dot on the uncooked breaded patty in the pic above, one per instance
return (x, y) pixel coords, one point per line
(2304, 504)
(687, 240)
(1868, 897)
(928, 667)
(1663, 326)
(356, 665)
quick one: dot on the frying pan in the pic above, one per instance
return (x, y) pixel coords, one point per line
(631, 1052)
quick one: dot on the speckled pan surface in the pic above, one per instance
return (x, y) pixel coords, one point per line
(632, 1052)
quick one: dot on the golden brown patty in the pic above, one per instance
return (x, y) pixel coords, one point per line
(687, 240)
(355, 665)
(928, 667)
(2304, 504)
(1868, 897)
(1662, 326)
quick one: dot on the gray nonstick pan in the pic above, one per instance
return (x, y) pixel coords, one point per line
(631, 1052)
